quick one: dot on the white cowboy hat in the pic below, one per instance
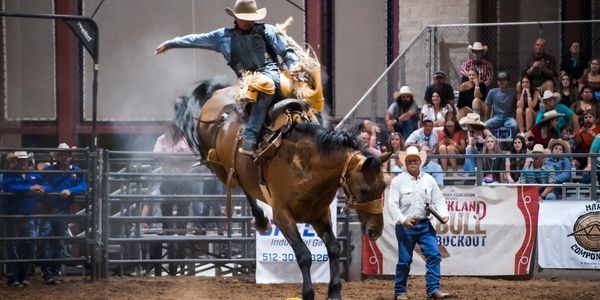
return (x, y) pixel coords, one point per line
(19, 155)
(478, 46)
(471, 119)
(548, 94)
(563, 143)
(404, 90)
(62, 146)
(412, 151)
(551, 114)
(539, 148)
(246, 10)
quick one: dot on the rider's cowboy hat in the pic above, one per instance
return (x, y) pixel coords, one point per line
(12, 156)
(477, 46)
(61, 146)
(539, 148)
(471, 119)
(404, 90)
(549, 115)
(412, 151)
(246, 10)
(563, 143)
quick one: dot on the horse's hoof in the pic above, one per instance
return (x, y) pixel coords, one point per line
(262, 227)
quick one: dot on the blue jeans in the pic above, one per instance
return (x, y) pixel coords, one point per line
(470, 162)
(258, 113)
(497, 121)
(424, 235)
(52, 248)
(550, 196)
(20, 249)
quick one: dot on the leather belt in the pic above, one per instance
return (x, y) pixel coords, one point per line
(420, 221)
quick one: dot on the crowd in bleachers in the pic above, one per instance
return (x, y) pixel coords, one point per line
(548, 109)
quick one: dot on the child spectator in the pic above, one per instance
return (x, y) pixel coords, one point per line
(452, 140)
(561, 165)
(584, 138)
(437, 109)
(528, 104)
(492, 165)
(567, 135)
(402, 115)
(514, 165)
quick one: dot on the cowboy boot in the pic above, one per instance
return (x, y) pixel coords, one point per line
(256, 120)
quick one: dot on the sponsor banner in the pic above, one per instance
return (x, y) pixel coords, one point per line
(275, 258)
(569, 234)
(491, 231)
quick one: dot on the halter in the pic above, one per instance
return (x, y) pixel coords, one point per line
(374, 206)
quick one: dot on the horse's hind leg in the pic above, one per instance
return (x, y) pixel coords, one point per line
(260, 221)
(289, 229)
(325, 232)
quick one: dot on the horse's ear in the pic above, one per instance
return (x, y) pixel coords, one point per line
(384, 157)
(369, 163)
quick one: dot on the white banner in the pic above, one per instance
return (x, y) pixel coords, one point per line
(569, 234)
(275, 259)
(491, 231)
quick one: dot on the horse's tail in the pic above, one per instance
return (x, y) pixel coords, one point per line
(188, 107)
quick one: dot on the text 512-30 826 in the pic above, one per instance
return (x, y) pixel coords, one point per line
(291, 257)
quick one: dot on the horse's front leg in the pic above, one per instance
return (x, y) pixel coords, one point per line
(325, 231)
(261, 222)
(288, 227)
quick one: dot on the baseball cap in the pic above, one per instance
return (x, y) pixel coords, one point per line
(439, 74)
(503, 75)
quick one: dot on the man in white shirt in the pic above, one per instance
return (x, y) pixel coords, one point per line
(410, 194)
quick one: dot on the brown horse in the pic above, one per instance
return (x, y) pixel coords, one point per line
(301, 179)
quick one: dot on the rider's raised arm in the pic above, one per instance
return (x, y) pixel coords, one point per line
(210, 41)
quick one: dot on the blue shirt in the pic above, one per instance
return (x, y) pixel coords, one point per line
(435, 170)
(20, 202)
(562, 120)
(219, 40)
(562, 166)
(76, 183)
(503, 103)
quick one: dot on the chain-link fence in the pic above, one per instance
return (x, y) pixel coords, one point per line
(445, 48)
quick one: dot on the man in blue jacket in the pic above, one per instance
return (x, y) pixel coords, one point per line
(27, 189)
(64, 188)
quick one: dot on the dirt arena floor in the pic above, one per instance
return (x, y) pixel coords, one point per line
(147, 288)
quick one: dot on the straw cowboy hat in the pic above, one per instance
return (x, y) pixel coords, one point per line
(61, 146)
(412, 151)
(563, 143)
(477, 46)
(471, 119)
(539, 148)
(550, 95)
(404, 90)
(246, 10)
(549, 115)
(12, 156)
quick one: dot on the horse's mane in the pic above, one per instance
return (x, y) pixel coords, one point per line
(188, 106)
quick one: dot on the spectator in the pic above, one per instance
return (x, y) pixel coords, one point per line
(492, 165)
(587, 103)
(574, 62)
(471, 95)
(568, 117)
(546, 129)
(402, 115)
(66, 185)
(26, 191)
(595, 148)
(561, 165)
(369, 142)
(439, 84)
(477, 62)
(476, 135)
(514, 165)
(591, 76)
(426, 138)
(541, 67)
(396, 146)
(540, 173)
(500, 104)
(434, 169)
(529, 140)
(437, 109)
(567, 135)
(585, 137)
(376, 135)
(410, 194)
(567, 90)
(452, 140)
(528, 104)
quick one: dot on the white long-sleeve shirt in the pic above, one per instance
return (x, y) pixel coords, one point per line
(408, 196)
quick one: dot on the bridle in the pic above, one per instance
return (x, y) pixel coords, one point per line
(374, 206)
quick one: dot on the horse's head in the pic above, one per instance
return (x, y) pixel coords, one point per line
(363, 184)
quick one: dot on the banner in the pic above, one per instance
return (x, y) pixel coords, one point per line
(491, 231)
(275, 259)
(569, 235)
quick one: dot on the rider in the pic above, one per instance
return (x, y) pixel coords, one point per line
(249, 46)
